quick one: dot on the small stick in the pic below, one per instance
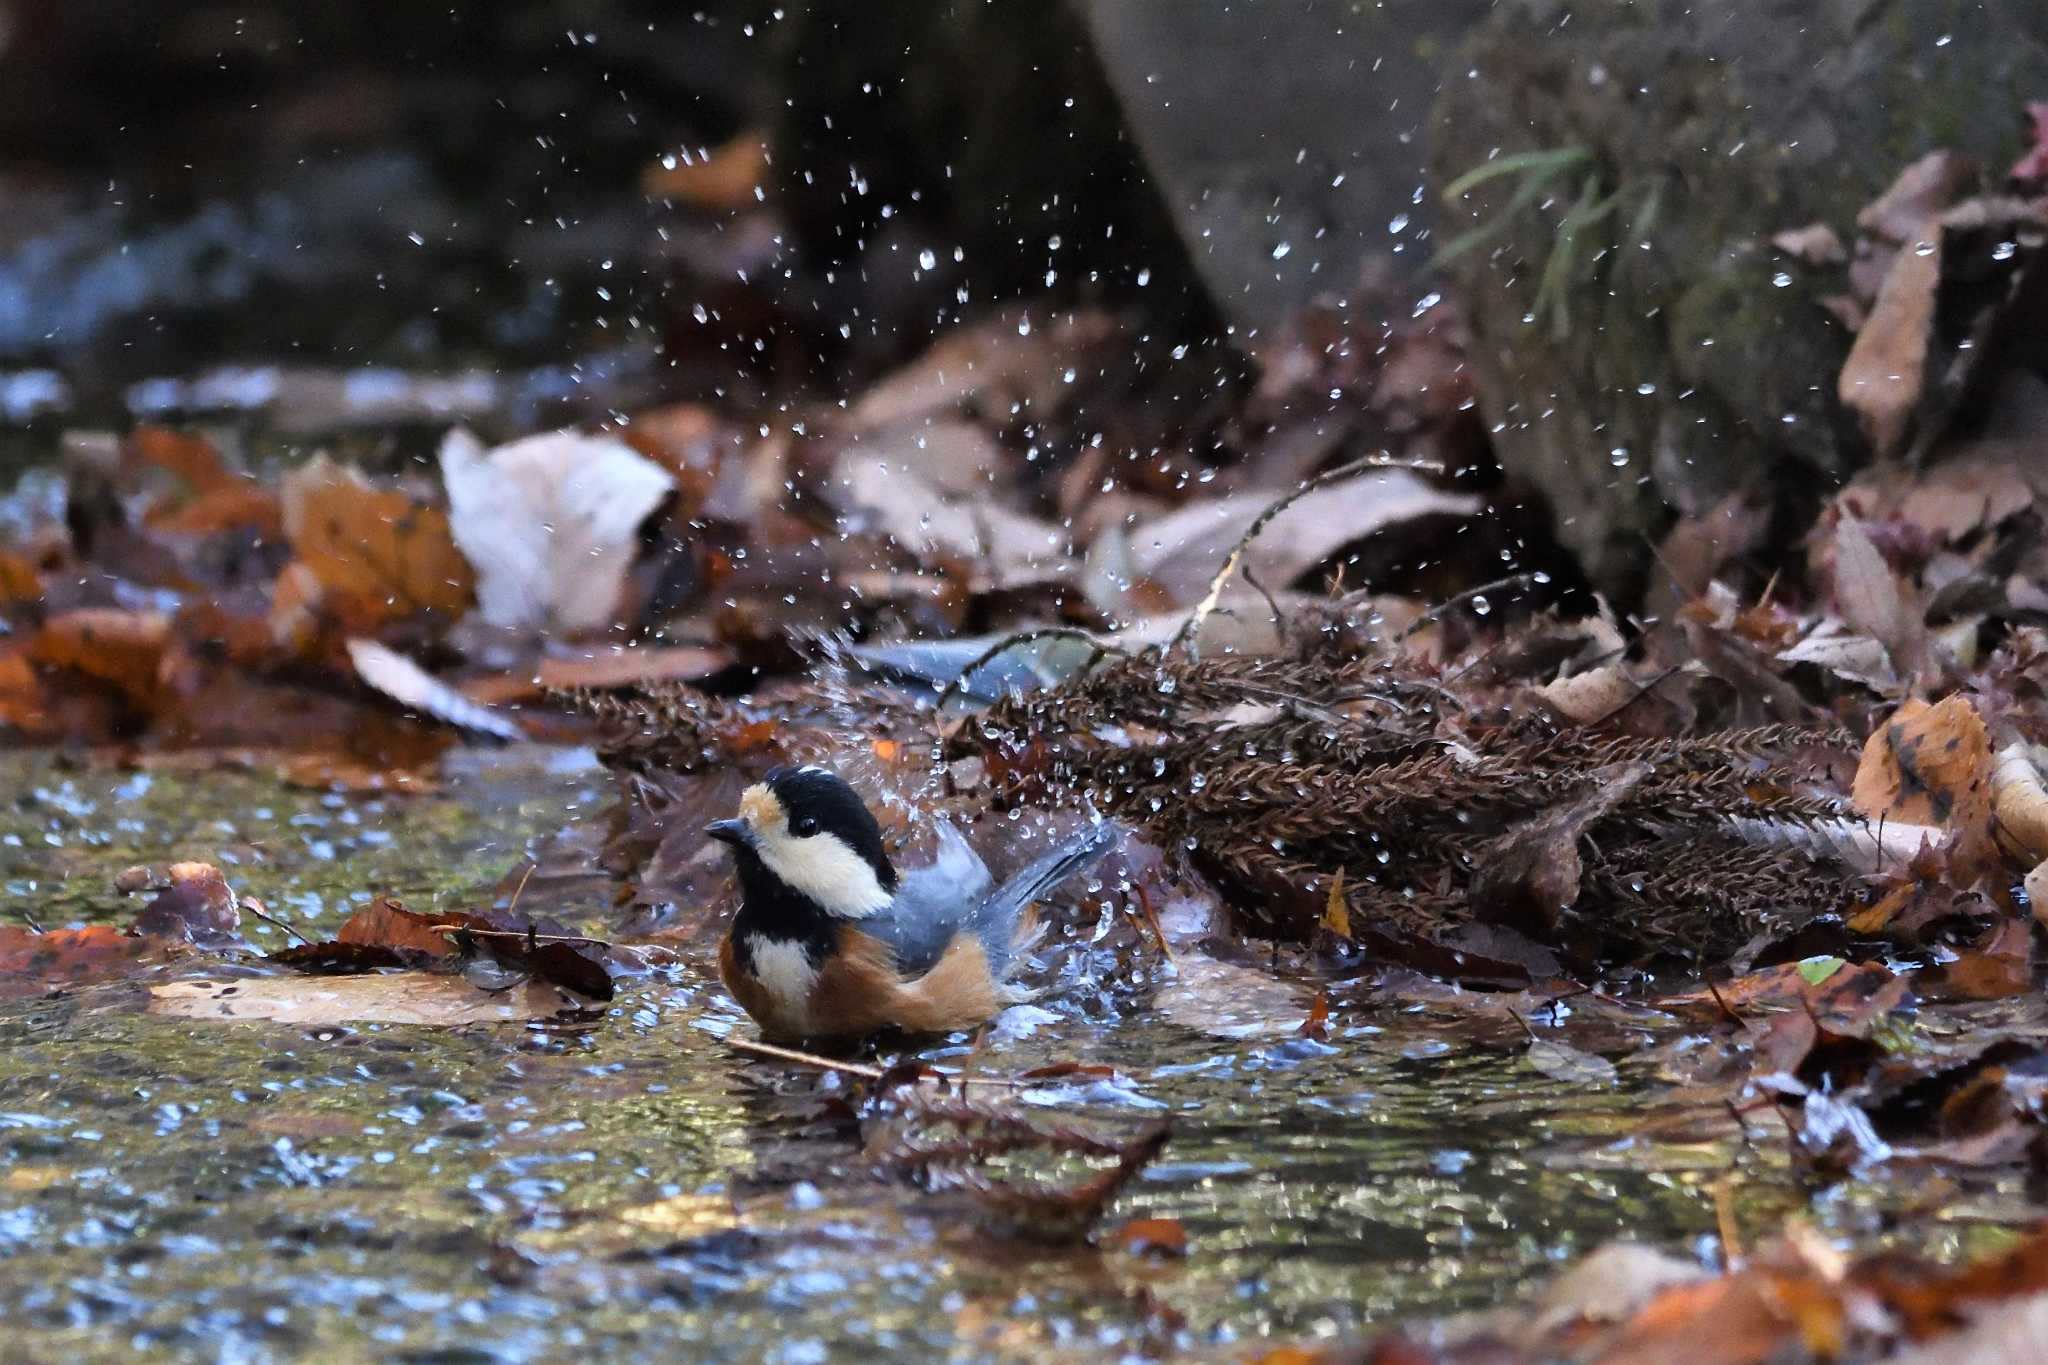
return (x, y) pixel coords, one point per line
(250, 905)
(526, 934)
(1454, 599)
(866, 1073)
(810, 1059)
(520, 890)
(1184, 637)
(1724, 1222)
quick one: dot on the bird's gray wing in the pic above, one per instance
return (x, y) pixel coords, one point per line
(932, 903)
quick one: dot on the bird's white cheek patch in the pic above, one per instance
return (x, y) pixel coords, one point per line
(785, 972)
(826, 870)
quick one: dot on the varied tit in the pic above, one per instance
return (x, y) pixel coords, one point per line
(830, 941)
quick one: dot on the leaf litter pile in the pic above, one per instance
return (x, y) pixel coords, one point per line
(1794, 803)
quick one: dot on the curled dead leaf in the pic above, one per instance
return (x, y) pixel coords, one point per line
(1931, 765)
(2021, 804)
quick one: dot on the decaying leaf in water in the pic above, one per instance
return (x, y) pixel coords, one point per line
(1225, 1000)
(197, 905)
(1563, 1062)
(391, 998)
(551, 524)
(1931, 765)
(33, 964)
(390, 555)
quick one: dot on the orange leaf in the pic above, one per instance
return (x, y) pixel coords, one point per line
(387, 924)
(723, 181)
(19, 581)
(376, 544)
(1931, 765)
(125, 648)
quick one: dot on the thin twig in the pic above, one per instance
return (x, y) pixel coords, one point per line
(810, 1059)
(1528, 576)
(866, 1073)
(1184, 637)
(250, 905)
(1022, 637)
(527, 935)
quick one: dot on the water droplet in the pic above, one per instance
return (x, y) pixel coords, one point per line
(1782, 280)
(1618, 457)
(700, 312)
(1646, 388)
(1481, 607)
(2003, 251)
(1398, 224)
(928, 259)
(1197, 781)
(1281, 250)
(1144, 278)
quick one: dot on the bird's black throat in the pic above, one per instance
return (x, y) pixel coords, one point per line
(771, 908)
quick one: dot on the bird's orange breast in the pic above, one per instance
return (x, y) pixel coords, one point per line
(857, 991)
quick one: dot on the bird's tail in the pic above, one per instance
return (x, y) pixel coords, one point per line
(1004, 924)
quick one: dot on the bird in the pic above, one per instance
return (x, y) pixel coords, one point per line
(832, 942)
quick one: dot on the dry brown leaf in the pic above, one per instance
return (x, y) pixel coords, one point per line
(19, 581)
(1958, 496)
(1921, 191)
(1931, 765)
(1816, 244)
(1882, 379)
(187, 454)
(1530, 875)
(384, 923)
(125, 648)
(1337, 911)
(1593, 695)
(23, 707)
(428, 998)
(1013, 547)
(375, 545)
(1871, 598)
(600, 668)
(719, 181)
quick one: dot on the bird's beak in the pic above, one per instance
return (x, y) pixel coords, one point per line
(738, 833)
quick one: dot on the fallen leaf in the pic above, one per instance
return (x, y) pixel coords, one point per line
(601, 668)
(33, 964)
(1882, 379)
(125, 648)
(1593, 695)
(1225, 1000)
(19, 581)
(384, 923)
(198, 906)
(1931, 765)
(1871, 598)
(2020, 801)
(1012, 547)
(1336, 912)
(551, 524)
(391, 555)
(1921, 191)
(1183, 550)
(721, 181)
(406, 683)
(1530, 875)
(1816, 244)
(429, 998)
(1562, 1062)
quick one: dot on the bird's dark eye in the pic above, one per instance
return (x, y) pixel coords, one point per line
(803, 827)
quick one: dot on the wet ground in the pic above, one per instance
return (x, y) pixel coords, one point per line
(632, 1185)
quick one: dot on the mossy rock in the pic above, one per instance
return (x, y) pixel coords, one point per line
(1672, 332)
